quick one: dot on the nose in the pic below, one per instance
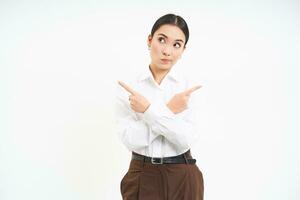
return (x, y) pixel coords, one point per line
(166, 51)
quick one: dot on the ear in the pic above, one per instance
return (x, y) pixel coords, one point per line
(149, 39)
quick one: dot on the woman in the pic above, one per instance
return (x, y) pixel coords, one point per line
(155, 122)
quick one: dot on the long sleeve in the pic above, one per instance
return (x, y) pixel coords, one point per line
(133, 132)
(180, 129)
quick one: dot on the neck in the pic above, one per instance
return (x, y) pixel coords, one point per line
(158, 74)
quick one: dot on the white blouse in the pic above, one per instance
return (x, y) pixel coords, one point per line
(157, 132)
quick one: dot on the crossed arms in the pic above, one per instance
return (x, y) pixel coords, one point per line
(174, 120)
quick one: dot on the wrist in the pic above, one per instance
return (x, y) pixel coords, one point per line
(170, 107)
(147, 107)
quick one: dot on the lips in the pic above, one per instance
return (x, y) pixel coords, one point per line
(165, 60)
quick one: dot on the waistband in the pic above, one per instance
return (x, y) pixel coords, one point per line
(180, 159)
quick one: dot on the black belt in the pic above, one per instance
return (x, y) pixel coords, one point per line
(180, 159)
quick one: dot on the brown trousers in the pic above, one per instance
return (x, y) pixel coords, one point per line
(146, 181)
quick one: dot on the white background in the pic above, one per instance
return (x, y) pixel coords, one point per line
(59, 63)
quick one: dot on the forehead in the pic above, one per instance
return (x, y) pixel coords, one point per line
(171, 31)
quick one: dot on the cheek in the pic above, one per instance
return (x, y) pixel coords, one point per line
(155, 50)
(177, 55)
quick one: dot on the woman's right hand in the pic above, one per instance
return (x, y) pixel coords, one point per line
(179, 101)
(138, 103)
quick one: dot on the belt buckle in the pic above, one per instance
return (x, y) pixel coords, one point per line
(161, 161)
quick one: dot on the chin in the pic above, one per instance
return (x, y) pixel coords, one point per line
(165, 66)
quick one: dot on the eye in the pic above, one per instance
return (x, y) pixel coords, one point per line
(161, 39)
(178, 45)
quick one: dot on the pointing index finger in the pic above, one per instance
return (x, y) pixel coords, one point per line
(126, 87)
(189, 91)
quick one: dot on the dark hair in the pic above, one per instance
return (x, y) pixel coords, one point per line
(173, 20)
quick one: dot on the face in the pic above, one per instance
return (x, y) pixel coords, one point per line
(167, 45)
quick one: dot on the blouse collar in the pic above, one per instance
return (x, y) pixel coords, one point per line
(146, 73)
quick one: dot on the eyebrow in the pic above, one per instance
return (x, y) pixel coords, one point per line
(179, 40)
